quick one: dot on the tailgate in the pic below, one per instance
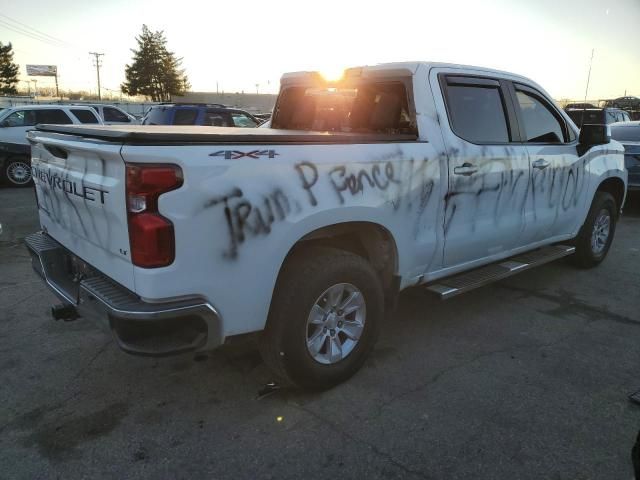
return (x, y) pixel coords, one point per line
(80, 187)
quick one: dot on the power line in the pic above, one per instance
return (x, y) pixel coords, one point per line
(31, 35)
(46, 35)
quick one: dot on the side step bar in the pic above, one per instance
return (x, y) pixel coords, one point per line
(457, 284)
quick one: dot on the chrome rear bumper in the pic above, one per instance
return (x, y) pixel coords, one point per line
(139, 327)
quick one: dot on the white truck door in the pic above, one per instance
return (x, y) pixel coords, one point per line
(488, 172)
(558, 180)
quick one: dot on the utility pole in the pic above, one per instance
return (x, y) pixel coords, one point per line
(98, 65)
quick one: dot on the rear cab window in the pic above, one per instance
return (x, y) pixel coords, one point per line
(85, 116)
(363, 106)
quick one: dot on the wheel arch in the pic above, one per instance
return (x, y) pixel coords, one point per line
(616, 187)
(370, 240)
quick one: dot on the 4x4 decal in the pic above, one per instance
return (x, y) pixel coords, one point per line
(236, 154)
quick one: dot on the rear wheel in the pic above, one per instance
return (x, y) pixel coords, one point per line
(595, 237)
(324, 320)
(17, 172)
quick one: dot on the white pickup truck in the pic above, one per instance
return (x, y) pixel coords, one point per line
(395, 176)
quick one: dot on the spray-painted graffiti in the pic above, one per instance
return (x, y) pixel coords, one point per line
(245, 218)
(326, 185)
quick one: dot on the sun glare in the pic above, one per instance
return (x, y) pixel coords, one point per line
(332, 74)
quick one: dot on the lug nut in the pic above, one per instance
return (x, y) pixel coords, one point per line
(333, 332)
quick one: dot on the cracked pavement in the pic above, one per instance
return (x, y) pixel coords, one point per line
(524, 379)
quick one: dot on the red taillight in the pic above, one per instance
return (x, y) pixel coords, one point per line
(151, 236)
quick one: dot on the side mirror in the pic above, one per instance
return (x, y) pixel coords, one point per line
(591, 135)
(4, 124)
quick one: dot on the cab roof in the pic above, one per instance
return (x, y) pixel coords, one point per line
(396, 69)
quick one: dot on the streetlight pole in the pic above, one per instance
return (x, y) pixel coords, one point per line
(98, 64)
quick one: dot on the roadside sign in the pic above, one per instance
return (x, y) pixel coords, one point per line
(42, 70)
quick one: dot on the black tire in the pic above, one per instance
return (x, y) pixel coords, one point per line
(16, 172)
(587, 255)
(305, 276)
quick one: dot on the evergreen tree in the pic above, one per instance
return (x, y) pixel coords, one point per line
(8, 70)
(155, 71)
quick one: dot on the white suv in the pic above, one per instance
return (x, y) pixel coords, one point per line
(15, 122)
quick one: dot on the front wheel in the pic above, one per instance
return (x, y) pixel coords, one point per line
(17, 172)
(324, 320)
(595, 236)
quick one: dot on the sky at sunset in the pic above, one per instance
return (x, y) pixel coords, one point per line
(241, 44)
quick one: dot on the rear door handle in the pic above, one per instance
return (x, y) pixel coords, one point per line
(541, 163)
(465, 169)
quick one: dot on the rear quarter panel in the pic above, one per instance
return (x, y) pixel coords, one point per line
(237, 217)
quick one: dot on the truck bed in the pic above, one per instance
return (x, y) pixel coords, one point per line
(172, 134)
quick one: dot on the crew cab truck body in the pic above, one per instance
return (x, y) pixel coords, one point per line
(397, 175)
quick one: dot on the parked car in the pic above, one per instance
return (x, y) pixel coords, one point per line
(215, 115)
(15, 122)
(597, 116)
(579, 105)
(628, 134)
(112, 115)
(628, 103)
(399, 175)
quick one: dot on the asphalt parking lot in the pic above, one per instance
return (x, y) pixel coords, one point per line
(524, 379)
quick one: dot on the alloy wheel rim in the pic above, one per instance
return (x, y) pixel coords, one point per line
(19, 173)
(601, 231)
(336, 323)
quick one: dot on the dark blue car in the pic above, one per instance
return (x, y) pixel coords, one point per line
(212, 115)
(628, 134)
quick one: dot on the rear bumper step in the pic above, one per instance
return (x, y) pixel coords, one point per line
(139, 327)
(457, 284)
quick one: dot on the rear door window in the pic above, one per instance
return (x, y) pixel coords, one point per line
(114, 115)
(85, 116)
(541, 123)
(185, 116)
(155, 116)
(53, 115)
(477, 110)
(214, 118)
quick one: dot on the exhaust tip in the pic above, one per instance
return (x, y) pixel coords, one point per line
(62, 311)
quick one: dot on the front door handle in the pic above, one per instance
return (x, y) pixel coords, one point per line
(465, 169)
(541, 163)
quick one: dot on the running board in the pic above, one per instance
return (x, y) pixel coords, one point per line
(457, 284)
